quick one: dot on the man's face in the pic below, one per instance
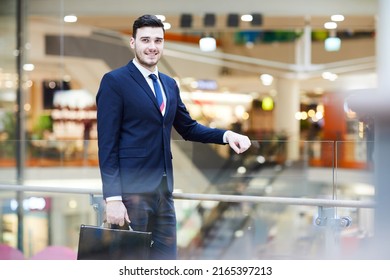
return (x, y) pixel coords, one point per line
(148, 46)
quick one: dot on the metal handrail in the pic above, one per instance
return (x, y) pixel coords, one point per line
(277, 200)
(209, 197)
(49, 189)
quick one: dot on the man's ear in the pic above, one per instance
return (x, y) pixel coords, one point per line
(132, 42)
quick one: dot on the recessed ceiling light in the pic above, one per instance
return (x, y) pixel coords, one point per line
(207, 44)
(337, 18)
(246, 17)
(332, 44)
(266, 79)
(28, 67)
(330, 25)
(161, 17)
(70, 18)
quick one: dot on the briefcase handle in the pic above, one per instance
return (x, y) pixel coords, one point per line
(126, 226)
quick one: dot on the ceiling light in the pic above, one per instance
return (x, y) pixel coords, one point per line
(161, 17)
(266, 79)
(247, 18)
(337, 18)
(70, 18)
(332, 44)
(330, 25)
(207, 44)
(28, 67)
(329, 76)
(167, 25)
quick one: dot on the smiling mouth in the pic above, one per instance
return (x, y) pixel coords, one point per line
(152, 54)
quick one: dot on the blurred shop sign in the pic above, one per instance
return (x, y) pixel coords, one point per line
(206, 85)
(73, 99)
(30, 204)
(66, 114)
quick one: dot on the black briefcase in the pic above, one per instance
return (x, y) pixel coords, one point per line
(103, 243)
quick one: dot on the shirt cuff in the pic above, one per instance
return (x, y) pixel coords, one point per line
(225, 136)
(113, 198)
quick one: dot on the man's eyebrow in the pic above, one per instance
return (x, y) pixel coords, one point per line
(148, 37)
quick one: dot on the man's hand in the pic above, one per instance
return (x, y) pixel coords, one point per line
(116, 213)
(238, 142)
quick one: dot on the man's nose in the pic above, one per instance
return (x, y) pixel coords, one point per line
(152, 45)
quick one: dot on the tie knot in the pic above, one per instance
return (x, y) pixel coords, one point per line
(153, 77)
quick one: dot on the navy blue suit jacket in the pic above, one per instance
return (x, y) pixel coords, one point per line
(134, 138)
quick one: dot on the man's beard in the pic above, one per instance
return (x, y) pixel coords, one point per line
(144, 62)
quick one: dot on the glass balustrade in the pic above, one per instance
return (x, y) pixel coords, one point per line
(262, 204)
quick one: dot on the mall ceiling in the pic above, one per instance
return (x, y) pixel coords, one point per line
(277, 14)
(360, 17)
(171, 7)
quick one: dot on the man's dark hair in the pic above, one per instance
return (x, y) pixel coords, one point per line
(146, 20)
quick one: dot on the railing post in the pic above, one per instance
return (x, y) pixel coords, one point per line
(98, 206)
(327, 217)
(21, 8)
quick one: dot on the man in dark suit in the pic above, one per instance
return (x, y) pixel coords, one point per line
(135, 115)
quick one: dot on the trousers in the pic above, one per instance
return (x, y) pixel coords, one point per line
(155, 212)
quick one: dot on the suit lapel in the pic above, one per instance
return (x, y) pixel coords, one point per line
(139, 79)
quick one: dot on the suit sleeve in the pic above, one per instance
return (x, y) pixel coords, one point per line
(109, 115)
(190, 129)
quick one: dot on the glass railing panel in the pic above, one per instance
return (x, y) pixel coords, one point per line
(354, 180)
(281, 168)
(266, 231)
(319, 160)
(70, 175)
(310, 174)
(76, 152)
(50, 221)
(354, 170)
(267, 170)
(241, 231)
(76, 160)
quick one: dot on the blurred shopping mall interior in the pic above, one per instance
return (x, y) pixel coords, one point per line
(285, 73)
